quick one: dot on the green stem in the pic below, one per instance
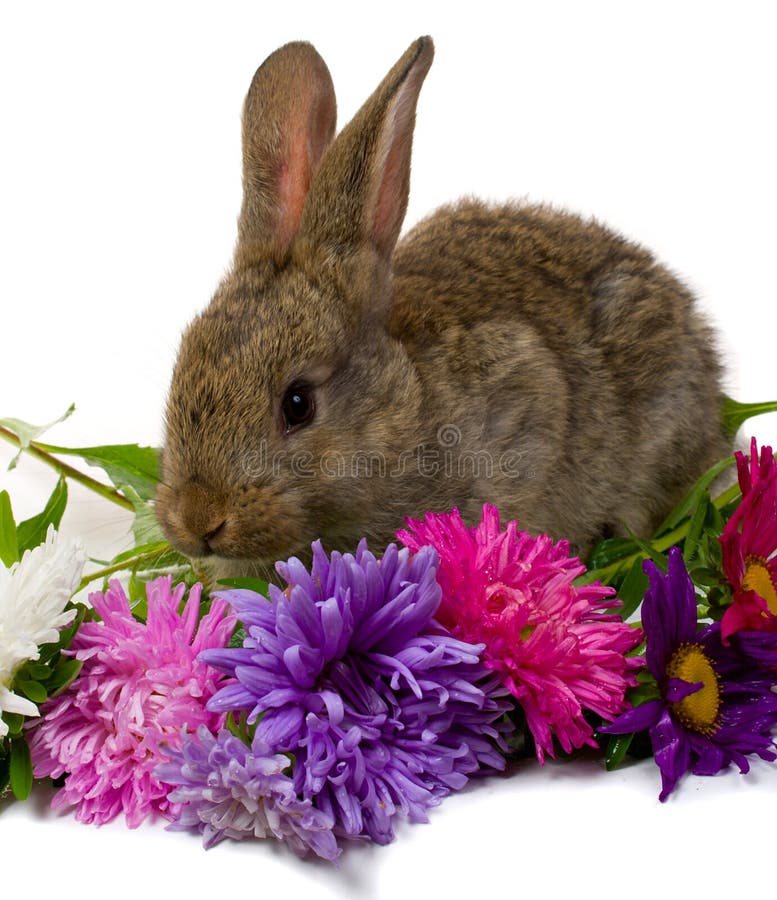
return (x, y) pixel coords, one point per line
(104, 490)
(759, 409)
(659, 544)
(130, 562)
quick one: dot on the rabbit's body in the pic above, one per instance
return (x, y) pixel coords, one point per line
(570, 349)
(339, 382)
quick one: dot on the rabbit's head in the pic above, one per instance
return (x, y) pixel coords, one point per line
(288, 390)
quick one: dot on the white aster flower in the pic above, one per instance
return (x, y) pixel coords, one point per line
(33, 596)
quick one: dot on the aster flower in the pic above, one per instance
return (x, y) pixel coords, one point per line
(555, 650)
(140, 683)
(384, 711)
(749, 543)
(716, 705)
(33, 595)
(226, 789)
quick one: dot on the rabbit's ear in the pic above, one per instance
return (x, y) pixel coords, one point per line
(288, 120)
(359, 194)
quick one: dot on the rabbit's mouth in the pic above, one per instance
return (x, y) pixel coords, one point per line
(242, 532)
(221, 568)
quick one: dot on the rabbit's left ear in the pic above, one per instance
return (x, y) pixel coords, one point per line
(359, 194)
(288, 120)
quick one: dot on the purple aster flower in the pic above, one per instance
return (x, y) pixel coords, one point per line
(227, 789)
(384, 710)
(716, 703)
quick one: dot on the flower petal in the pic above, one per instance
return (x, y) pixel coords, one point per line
(675, 689)
(639, 718)
(672, 752)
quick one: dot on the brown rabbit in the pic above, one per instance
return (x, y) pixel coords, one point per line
(339, 382)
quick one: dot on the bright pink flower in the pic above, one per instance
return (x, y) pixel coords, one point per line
(749, 543)
(556, 651)
(139, 686)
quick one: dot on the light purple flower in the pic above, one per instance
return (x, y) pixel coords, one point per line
(384, 710)
(225, 789)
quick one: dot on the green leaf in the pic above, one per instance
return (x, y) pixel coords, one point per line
(238, 636)
(160, 556)
(704, 577)
(27, 433)
(161, 547)
(643, 693)
(736, 414)
(620, 744)
(727, 511)
(32, 690)
(691, 499)
(14, 721)
(248, 584)
(712, 552)
(5, 765)
(606, 552)
(718, 599)
(63, 674)
(9, 544)
(632, 591)
(138, 598)
(34, 671)
(32, 532)
(617, 748)
(240, 727)
(714, 521)
(66, 635)
(652, 552)
(695, 528)
(21, 769)
(125, 464)
(145, 527)
(289, 770)
(231, 725)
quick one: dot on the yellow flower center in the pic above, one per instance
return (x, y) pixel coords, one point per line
(758, 578)
(698, 711)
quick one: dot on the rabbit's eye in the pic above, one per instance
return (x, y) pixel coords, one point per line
(298, 407)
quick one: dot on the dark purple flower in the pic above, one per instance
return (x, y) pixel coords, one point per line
(227, 789)
(716, 704)
(384, 711)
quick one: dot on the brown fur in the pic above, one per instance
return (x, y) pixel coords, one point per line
(527, 337)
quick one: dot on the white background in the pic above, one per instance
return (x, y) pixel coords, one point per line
(119, 189)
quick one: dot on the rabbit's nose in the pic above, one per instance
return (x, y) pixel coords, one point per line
(211, 537)
(201, 517)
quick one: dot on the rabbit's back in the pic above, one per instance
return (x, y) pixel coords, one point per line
(579, 337)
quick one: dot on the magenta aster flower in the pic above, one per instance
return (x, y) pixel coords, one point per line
(384, 711)
(716, 704)
(226, 789)
(749, 543)
(555, 650)
(139, 684)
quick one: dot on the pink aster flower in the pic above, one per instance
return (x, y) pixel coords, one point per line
(749, 543)
(140, 684)
(555, 649)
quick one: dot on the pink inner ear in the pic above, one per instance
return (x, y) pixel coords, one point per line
(293, 184)
(397, 140)
(390, 205)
